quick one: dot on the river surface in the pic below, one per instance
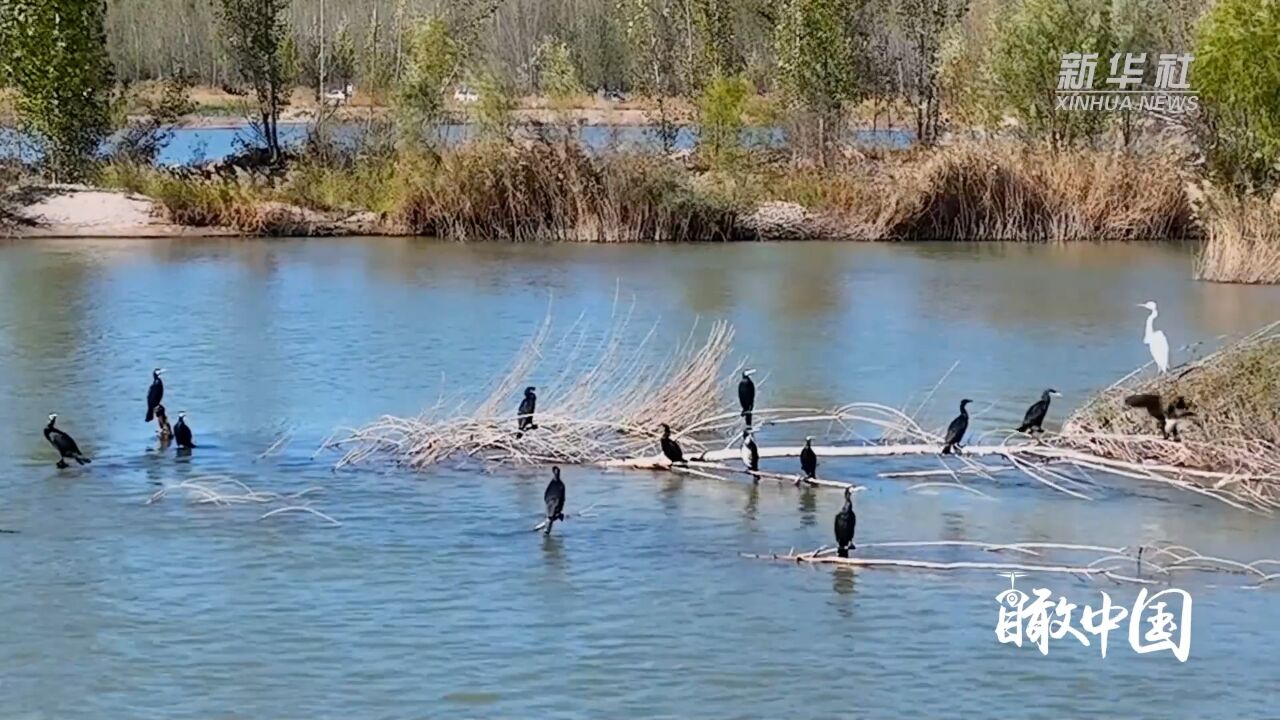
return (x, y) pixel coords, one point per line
(432, 599)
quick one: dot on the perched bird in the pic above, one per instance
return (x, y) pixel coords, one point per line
(750, 453)
(63, 443)
(524, 418)
(809, 460)
(155, 394)
(554, 498)
(747, 395)
(1167, 417)
(671, 448)
(1034, 419)
(846, 522)
(1155, 340)
(956, 430)
(182, 432)
(163, 431)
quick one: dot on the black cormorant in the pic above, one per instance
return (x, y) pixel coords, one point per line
(671, 448)
(846, 522)
(63, 443)
(524, 417)
(182, 433)
(155, 394)
(554, 498)
(1034, 419)
(750, 453)
(747, 395)
(809, 460)
(956, 430)
(1167, 417)
(164, 432)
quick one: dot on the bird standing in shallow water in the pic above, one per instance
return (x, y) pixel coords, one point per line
(1033, 421)
(750, 453)
(182, 433)
(846, 523)
(1167, 418)
(1155, 340)
(747, 395)
(155, 394)
(809, 460)
(671, 448)
(554, 499)
(524, 417)
(63, 443)
(956, 430)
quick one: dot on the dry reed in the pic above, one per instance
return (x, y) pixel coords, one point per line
(1243, 239)
(602, 398)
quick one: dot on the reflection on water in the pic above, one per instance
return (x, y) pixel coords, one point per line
(434, 588)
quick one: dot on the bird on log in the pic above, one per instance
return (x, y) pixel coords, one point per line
(809, 460)
(956, 430)
(1033, 421)
(63, 443)
(747, 395)
(846, 523)
(671, 448)
(155, 394)
(182, 432)
(524, 416)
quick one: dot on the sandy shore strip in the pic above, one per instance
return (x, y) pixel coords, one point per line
(76, 211)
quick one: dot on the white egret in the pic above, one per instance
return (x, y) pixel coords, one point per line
(1156, 342)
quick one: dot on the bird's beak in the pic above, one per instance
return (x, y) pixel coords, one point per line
(1055, 393)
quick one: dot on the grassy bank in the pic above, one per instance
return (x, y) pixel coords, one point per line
(557, 191)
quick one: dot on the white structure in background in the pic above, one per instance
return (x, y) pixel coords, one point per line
(1156, 342)
(340, 96)
(465, 95)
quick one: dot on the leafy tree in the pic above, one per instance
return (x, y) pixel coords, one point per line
(254, 32)
(926, 23)
(652, 38)
(815, 62)
(720, 111)
(432, 64)
(341, 64)
(496, 107)
(1237, 74)
(714, 26)
(1031, 38)
(557, 75)
(54, 52)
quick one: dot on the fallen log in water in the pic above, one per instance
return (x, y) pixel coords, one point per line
(1155, 560)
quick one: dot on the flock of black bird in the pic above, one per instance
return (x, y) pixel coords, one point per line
(180, 433)
(846, 520)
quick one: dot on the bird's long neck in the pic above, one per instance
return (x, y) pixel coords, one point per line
(848, 504)
(1151, 319)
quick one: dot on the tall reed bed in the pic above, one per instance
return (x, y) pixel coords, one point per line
(1243, 240)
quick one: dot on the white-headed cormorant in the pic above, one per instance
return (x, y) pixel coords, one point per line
(554, 499)
(155, 394)
(1156, 342)
(809, 460)
(182, 433)
(1034, 419)
(747, 395)
(63, 443)
(670, 447)
(524, 417)
(846, 523)
(957, 429)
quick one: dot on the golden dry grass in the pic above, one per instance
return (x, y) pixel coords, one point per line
(1243, 240)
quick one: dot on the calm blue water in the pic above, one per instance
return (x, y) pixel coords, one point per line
(205, 144)
(433, 600)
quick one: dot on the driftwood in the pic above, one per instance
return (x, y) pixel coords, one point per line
(1151, 564)
(225, 491)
